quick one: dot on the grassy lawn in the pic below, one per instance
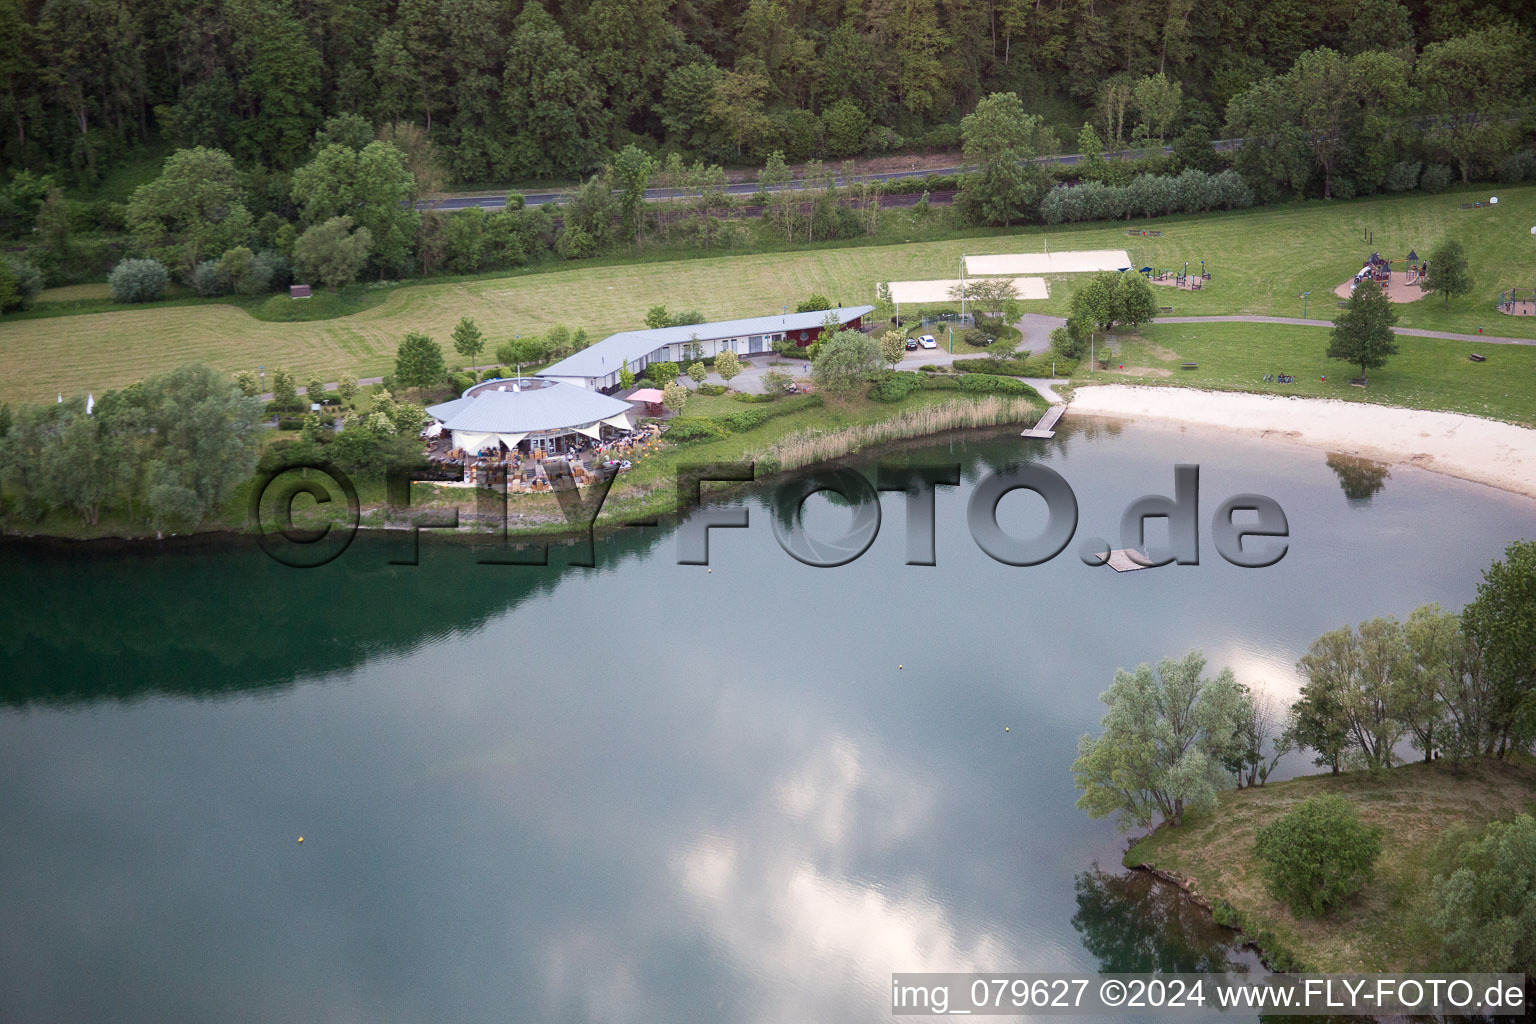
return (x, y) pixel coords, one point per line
(1427, 373)
(1260, 261)
(1425, 811)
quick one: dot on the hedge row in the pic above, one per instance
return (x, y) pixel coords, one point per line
(709, 428)
(1148, 195)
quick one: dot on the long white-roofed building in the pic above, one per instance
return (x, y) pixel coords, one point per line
(597, 366)
(530, 414)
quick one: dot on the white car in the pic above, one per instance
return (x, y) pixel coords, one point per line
(927, 341)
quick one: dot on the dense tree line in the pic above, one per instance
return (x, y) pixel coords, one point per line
(164, 452)
(1459, 686)
(516, 90)
(1462, 686)
(305, 134)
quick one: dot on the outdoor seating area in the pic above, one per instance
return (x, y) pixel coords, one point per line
(529, 472)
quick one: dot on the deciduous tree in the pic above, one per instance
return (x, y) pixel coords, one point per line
(1165, 735)
(1448, 271)
(332, 252)
(844, 360)
(193, 211)
(1362, 334)
(727, 365)
(419, 362)
(468, 340)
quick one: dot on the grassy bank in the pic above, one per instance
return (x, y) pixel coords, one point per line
(1260, 260)
(1427, 373)
(1426, 814)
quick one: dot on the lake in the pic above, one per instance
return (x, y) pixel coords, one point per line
(643, 791)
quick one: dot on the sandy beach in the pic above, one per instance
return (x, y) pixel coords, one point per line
(1484, 451)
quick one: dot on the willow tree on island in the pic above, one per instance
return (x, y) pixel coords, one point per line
(1166, 736)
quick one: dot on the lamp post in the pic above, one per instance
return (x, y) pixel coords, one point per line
(1304, 304)
(962, 289)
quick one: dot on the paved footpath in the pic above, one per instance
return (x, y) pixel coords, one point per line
(1413, 332)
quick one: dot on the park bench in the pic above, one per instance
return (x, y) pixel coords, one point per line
(1166, 309)
(1358, 382)
(1187, 365)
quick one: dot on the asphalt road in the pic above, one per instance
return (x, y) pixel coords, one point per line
(743, 188)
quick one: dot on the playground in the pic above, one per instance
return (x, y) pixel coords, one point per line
(1518, 302)
(1400, 278)
(1190, 281)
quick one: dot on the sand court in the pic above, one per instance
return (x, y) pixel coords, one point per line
(938, 291)
(1078, 261)
(1397, 289)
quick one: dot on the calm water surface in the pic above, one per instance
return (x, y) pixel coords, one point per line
(641, 792)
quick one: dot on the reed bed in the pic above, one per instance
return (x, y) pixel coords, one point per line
(805, 449)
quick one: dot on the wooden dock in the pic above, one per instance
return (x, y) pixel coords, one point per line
(1044, 427)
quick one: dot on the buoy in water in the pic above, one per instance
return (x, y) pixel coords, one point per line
(1006, 729)
(301, 839)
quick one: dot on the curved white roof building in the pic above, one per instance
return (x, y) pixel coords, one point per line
(531, 412)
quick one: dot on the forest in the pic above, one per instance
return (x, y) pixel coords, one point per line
(519, 92)
(229, 147)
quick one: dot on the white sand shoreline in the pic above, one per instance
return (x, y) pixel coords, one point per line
(1483, 451)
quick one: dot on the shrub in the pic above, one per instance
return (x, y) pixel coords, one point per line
(462, 382)
(1437, 178)
(694, 428)
(1518, 168)
(573, 243)
(940, 382)
(1318, 855)
(1342, 188)
(109, 216)
(746, 419)
(209, 281)
(269, 272)
(1014, 367)
(20, 283)
(988, 383)
(1403, 177)
(712, 389)
(1485, 910)
(894, 386)
(138, 281)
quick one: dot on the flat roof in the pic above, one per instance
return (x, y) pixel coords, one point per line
(553, 405)
(604, 357)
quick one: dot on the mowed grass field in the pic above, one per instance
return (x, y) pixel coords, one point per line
(1426, 813)
(1427, 373)
(1260, 260)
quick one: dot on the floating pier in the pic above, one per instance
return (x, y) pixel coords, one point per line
(1125, 560)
